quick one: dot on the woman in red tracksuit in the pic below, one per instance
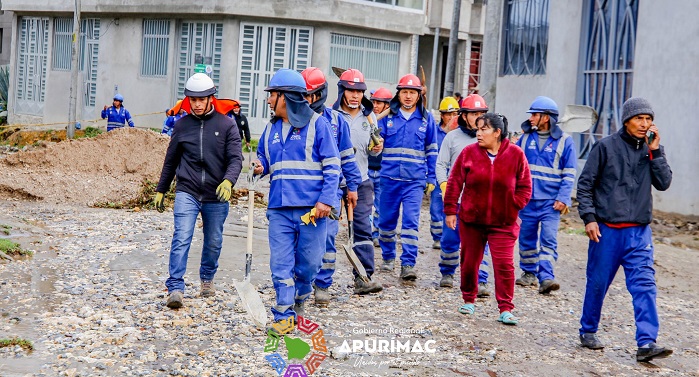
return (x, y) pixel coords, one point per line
(494, 182)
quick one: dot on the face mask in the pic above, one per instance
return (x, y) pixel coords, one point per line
(408, 107)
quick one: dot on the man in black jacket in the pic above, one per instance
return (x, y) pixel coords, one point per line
(614, 192)
(242, 123)
(205, 154)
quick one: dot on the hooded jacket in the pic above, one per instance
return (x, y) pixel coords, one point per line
(203, 151)
(553, 167)
(615, 184)
(492, 194)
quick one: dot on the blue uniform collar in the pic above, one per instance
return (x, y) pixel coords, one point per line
(556, 131)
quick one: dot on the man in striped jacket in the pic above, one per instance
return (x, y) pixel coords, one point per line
(299, 153)
(552, 161)
(407, 172)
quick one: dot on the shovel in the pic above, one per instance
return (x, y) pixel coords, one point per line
(249, 296)
(578, 118)
(353, 259)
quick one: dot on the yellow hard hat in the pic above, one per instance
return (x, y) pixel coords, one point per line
(449, 105)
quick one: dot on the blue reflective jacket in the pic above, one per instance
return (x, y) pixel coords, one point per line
(341, 132)
(116, 118)
(305, 168)
(440, 135)
(410, 147)
(553, 167)
(169, 123)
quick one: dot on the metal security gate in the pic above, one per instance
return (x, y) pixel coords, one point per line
(264, 50)
(32, 56)
(89, 52)
(199, 43)
(607, 68)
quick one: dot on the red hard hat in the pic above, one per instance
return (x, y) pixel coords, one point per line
(409, 81)
(472, 103)
(352, 79)
(382, 94)
(315, 79)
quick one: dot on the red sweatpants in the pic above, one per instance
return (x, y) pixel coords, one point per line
(502, 244)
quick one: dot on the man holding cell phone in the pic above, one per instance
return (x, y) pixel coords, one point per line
(616, 204)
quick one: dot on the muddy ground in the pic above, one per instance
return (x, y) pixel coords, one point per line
(92, 299)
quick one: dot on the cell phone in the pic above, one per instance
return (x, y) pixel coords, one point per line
(651, 136)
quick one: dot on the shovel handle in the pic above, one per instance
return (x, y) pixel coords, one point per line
(350, 212)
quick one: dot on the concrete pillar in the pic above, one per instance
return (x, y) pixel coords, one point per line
(490, 65)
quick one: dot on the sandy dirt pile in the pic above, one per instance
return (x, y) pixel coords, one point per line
(109, 167)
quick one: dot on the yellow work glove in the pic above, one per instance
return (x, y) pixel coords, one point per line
(309, 217)
(429, 188)
(372, 144)
(159, 202)
(443, 187)
(223, 191)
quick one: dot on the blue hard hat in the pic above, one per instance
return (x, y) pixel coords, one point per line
(119, 97)
(287, 80)
(544, 105)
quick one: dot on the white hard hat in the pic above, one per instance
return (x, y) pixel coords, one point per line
(199, 85)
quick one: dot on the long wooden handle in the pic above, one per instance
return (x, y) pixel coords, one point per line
(350, 212)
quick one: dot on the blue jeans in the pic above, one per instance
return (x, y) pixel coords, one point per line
(213, 214)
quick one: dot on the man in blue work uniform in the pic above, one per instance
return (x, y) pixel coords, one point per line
(616, 204)
(407, 173)
(169, 124)
(117, 116)
(381, 98)
(299, 153)
(552, 161)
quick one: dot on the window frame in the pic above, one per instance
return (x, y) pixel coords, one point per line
(525, 48)
(155, 43)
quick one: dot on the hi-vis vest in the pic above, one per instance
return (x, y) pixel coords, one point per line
(552, 167)
(304, 168)
(410, 147)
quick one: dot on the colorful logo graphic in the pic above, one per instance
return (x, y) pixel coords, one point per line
(297, 349)
(295, 134)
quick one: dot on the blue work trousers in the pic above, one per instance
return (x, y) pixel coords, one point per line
(213, 215)
(375, 177)
(436, 214)
(631, 248)
(395, 193)
(296, 251)
(539, 260)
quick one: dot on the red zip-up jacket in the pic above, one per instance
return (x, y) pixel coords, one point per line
(492, 194)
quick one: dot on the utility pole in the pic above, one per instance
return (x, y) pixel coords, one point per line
(73, 104)
(451, 54)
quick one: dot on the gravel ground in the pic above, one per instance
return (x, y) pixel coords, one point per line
(92, 301)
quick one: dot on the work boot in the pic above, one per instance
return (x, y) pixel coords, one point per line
(547, 286)
(207, 289)
(527, 279)
(362, 287)
(447, 281)
(300, 309)
(174, 299)
(590, 340)
(388, 265)
(322, 296)
(483, 290)
(408, 273)
(652, 351)
(436, 245)
(376, 242)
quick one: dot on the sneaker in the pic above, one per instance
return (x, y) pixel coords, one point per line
(447, 281)
(527, 279)
(437, 245)
(322, 296)
(174, 299)
(653, 351)
(376, 242)
(207, 289)
(483, 290)
(408, 273)
(547, 286)
(362, 287)
(388, 265)
(300, 308)
(590, 340)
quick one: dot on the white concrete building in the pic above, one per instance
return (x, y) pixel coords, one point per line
(146, 50)
(599, 53)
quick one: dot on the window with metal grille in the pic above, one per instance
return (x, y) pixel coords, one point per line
(526, 37)
(199, 43)
(154, 53)
(62, 43)
(376, 58)
(32, 55)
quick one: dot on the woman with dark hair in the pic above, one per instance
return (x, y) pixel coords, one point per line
(494, 182)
